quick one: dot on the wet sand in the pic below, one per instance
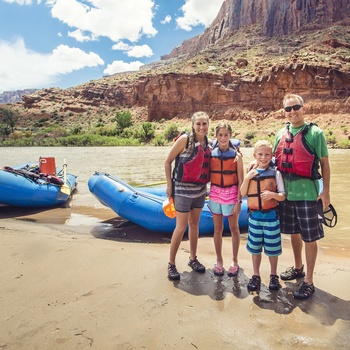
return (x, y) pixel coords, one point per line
(89, 280)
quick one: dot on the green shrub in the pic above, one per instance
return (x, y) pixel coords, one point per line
(76, 130)
(59, 132)
(343, 143)
(124, 120)
(331, 139)
(171, 131)
(159, 140)
(250, 135)
(127, 133)
(147, 131)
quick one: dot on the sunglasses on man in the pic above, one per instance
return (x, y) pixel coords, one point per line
(295, 107)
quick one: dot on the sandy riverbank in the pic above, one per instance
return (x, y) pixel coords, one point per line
(93, 287)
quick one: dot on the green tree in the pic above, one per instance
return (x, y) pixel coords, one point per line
(124, 120)
(9, 120)
(148, 131)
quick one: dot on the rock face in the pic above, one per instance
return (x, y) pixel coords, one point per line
(270, 17)
(170, 95)
(212, 71)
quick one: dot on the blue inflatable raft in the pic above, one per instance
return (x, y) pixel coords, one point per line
(25, 186)
(144, 205)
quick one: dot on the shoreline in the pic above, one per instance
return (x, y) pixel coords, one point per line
(101, 283)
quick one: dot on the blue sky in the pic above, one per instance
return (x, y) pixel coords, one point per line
(62, 43)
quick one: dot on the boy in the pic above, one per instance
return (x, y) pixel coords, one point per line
(264, 187)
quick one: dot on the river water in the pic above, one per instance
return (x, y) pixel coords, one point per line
(143, 166)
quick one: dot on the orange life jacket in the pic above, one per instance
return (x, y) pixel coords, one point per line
(223, 167)
(262, 182)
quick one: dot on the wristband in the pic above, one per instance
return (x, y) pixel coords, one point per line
(240, 201)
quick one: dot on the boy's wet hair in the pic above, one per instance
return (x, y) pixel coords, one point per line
(262, 143)
(223, 125)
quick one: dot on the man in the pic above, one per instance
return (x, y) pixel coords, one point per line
(300, 149)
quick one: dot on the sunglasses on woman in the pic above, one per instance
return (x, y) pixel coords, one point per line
(295, 107)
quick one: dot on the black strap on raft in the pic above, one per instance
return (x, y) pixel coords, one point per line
(33, 176)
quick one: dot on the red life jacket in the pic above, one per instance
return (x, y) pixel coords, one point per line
(223, 167)
(193, 167)
(294, 156)
(265, 181)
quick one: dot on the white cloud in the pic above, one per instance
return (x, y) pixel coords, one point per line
(22, 68)
(116, 20)
(22, 2)
(121, 46)
(166, 20)
(78, 35)
(65, 59)
(133, 51)
(140, 51)
(120, 66)
(198, 12)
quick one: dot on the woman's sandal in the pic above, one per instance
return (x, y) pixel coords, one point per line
(233, 271)
(218, 270)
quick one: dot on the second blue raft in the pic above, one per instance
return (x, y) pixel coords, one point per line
(144, 205)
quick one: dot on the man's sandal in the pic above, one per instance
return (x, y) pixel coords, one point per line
(305, 291)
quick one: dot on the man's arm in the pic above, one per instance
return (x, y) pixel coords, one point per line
(326, 177)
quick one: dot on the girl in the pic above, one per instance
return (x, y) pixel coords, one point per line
(226, 176)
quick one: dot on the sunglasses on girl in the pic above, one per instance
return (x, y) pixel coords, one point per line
(295, 107)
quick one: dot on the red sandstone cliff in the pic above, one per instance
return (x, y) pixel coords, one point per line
(254, 52)
(169, 95)
(269, 18)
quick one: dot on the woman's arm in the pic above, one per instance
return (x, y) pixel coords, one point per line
(178, 147)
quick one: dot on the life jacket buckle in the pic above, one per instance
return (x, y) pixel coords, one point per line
(288, 150)
(287, 165)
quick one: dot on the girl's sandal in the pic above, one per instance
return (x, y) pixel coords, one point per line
(218, 270)
(233, 271)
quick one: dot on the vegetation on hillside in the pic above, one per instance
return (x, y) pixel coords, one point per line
(58, 119)
(124, 130)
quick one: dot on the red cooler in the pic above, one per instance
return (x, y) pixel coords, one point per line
(47, 165)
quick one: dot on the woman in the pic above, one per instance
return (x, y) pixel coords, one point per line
(188, 186)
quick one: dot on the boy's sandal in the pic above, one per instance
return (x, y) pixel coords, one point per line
(233, 271)
(218, 270)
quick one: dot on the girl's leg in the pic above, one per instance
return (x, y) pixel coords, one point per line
(235, 237)
(218, 228)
